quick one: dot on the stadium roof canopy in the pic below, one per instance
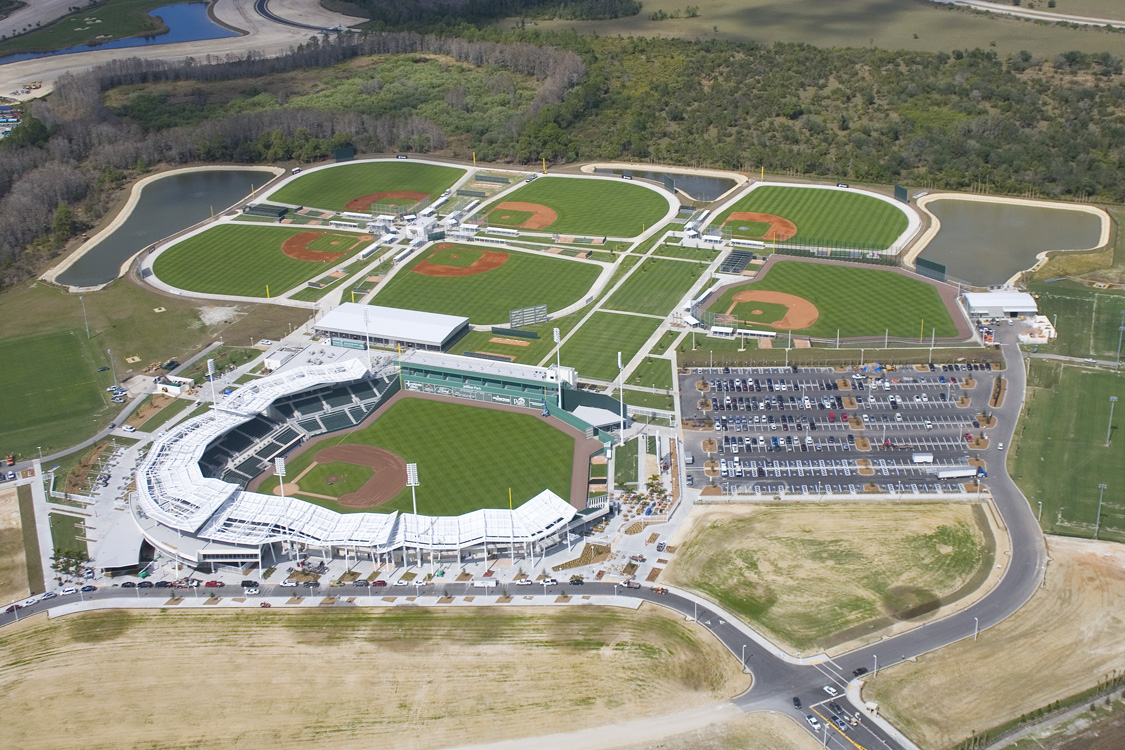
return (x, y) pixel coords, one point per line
(392, 325)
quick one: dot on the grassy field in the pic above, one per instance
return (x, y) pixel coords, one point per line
(646, 400)
(122, 319)
(119, 18)
(656, 286)
(1059, 456)
(225, 357)
(806, 575)
(332, 188)
(593, 207)
(65, 532)
(242, 261)
(1072, 622)
(522, 281)
(834, 217)
(690, 253)
(49, 394)
(1088, 319)
(537, 349)
(625, 462)
(652, 372)
(165, 415)
(398, 676)
(464, 456)
(857, 301)
(593, 348)
(907, 26)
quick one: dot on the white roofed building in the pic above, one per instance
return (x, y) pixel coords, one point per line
(1002, 304)
(351, 324)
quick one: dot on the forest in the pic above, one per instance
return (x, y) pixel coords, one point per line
(966, 119)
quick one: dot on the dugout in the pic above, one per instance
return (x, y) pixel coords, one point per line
(270, 212)
(350, 324)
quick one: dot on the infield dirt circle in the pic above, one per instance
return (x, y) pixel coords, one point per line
(799, 313)
(297, 247)
(488, 260)
(363, 202)
(388, 479)
(541, 216)
(780, 228)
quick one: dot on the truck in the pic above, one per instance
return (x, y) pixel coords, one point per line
(631, 584)
(485, 584)
(689, 459)
(922, 458)
(962, 472)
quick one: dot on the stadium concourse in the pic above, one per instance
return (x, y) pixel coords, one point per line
(190, 504)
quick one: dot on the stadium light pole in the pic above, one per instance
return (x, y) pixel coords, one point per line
(1109, 427)
(279, 469)
(1098, 522)
(558, 363)
(412, 482)
(82, 299)
(112, 369)
(1120, 331)
(621, 394)
(211, 377)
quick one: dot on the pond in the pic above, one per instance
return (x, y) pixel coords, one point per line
(699, 187)
(166, 206)
(988, 243)
(186, 22)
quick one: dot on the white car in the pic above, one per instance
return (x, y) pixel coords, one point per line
(524, 582)
(68, 591)
(253, 592)
(129, 428)
(419, 584)
(30, 600)
(401, 582)
(812, 721)
(831, 690)
(289, 584)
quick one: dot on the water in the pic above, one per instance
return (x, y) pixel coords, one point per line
(186, 22)
(697, 186)
(988, 243)
(166, 206)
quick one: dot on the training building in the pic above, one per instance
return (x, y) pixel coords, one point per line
(350, 324)
(1006, 304)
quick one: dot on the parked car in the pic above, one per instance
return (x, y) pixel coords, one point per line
(288, 584)
(214, 584)
(130, 585)
(88, 588)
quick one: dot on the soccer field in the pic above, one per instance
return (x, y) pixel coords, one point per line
(656, 286)
(467, 457)
(593, 348)
(50, 391)
(835, 218)
(856, 301)
(592, 207)
(333, 188)
(1060, 456)
(243, 260)
(1088, 319)
(523, 280)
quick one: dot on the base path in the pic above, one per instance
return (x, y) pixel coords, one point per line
(541, 216)
(488, 260)
(780, 227)
(799, 313)
(363, 202)
(297, 247)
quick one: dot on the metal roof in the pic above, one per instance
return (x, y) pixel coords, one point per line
(392, 323)
(1014, 301)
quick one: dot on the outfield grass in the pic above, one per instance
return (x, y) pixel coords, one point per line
(467, 456)
(241, 260)
(1088, 319)
(652, 372)
(593, 206)
(537, 350)
(65, 532)
(332, 188)
(835, 217)
(1059, 457)
(593, 348)
(857, 301)
(50, 393)
(524, 280)
(656, 286)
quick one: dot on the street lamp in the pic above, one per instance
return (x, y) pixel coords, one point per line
(743, 657)
(1120, 331)
(112, 369)
(976, 627)
(1098, 522)
(1109, 427)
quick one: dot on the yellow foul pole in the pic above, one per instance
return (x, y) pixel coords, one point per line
(474, 158)
(509, 498)
(544, 165)
(267, 291)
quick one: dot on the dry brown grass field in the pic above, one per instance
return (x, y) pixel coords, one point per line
(13, 563)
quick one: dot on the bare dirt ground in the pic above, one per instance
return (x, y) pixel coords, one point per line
(346, 678)
(816, 577)
(155, 404)
(1068, 637)
(13, 563)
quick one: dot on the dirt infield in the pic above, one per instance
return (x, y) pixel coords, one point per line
(780, 228)
(388, 480)
(509, 342)
(800, 313)
(488, 260)
(363, 202)
(541, 216)
(297, 247)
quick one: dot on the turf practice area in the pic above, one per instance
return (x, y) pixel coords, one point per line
(1060, 456)
(467, 457)
(655, 287)
(593, 348)
(521, 280)
(834, 218)
(857, 301)
(50, 392)
(243, 260)
(1090, 318)
(590, 206)
(333, 188)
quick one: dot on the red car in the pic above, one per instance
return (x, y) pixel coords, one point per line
(380, 582)
(214, 584)
(265, 604)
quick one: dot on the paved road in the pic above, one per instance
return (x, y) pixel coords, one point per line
(261, 7)
(1035, 15)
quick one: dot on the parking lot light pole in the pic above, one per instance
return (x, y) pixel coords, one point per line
(1120, 331)
(1098, 522)
(112, 369)
(1040, 516)
(1109, 427)
(976, 627)
(87, 322)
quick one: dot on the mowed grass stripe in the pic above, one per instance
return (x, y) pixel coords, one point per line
(835, 216)
(240, 260)
(857, 301)
(595, 207)
(467, 456)
(655, 287)
(523, 280)
(333, 188)
(593, 348)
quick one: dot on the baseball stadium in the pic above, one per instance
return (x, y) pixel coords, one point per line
(351, 435)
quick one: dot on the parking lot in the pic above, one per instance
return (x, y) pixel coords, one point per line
(822, 430)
